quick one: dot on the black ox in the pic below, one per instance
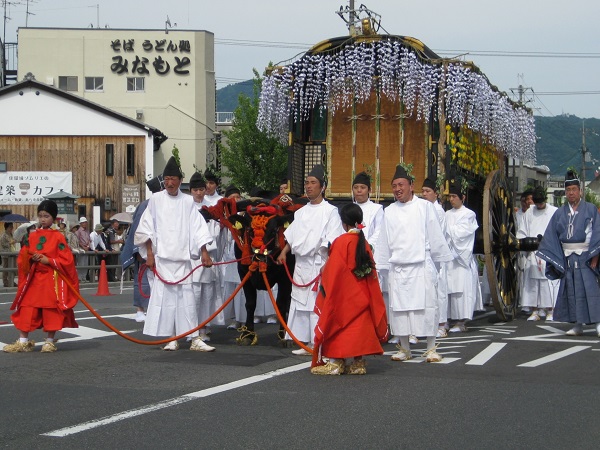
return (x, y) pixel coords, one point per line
(257, 226)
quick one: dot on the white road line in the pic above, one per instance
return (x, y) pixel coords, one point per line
(549, 338)
(499, 331)
(555, 356)
(465, 340)
(485, 355)
(463, 336)
(173, 402)
(422, 360)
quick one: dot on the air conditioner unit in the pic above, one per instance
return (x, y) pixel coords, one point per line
(50, 81)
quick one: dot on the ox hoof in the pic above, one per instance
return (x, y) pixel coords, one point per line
(247, 337)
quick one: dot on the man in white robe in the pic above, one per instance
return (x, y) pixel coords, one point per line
(212, 195)
(171, 234)
(372, 212)
(429, 191)
(526, 201)
(411, 240)
(539, 293)
(308, 237)
(206, 280)
(464, 292)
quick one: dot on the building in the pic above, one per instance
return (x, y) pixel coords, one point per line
(526, 173)
(51, 140)
(161, 77)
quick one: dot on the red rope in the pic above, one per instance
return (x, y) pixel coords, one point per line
(280, 317)
(143, 268)
(287, 270)
(157, 342)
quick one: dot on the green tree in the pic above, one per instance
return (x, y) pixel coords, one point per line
(251, 157)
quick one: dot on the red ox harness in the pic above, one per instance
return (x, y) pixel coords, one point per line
(250, 240)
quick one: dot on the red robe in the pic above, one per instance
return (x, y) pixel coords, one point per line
(40, 286)
(351, 310)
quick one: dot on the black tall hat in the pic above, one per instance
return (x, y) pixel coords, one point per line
(172, 169)
(362, 178)
(155, 184)
(539, 195)
(456, 190)
(401, 173)
(571, 179)
(429, 183)
(231, 190)
(50, 207)
(210, 176)
(319, 173)
(197, 181)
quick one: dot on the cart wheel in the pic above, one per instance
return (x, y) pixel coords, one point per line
(500, 244)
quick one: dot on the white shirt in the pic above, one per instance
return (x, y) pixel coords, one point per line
(177, 231)
(372, 220)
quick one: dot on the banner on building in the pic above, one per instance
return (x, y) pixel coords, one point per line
(30, 188)
(131, 196)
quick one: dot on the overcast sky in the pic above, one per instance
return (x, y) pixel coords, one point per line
(550, 46)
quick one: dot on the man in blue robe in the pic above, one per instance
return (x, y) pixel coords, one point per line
(130, 254)
(570, 247)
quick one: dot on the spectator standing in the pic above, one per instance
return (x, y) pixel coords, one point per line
(83, 259)
(115, 241)
(7, 244)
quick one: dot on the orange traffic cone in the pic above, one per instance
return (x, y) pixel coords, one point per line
(102, 281)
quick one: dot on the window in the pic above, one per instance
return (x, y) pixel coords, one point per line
(94, 84)
(135, 84)
(67, 83)
(131, 159)
(110, 160)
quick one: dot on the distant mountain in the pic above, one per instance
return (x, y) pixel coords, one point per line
(560, 142)
(227, 97)
(558, 147)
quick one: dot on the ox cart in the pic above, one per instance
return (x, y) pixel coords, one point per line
(369, 101)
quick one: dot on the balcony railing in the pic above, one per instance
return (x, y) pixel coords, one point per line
(224, 117)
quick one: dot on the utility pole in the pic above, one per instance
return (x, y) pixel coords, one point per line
(352, 26)
(584, 155)
(521, 91)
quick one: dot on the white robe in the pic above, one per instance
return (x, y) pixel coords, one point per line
(231, 280)
(314, 228)
(208, 280)
(442, 286)
(411, 240)
(521, 257)
(372, 221)
(177, 233)
(464, 292)
(211, 200)
(538, 291)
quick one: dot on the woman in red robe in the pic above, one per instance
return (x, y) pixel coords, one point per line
(44, 300)
(351, 310)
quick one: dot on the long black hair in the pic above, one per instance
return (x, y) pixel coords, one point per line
(351, 214)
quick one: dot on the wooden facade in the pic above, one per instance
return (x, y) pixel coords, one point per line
(374, 136)
(85, 157)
